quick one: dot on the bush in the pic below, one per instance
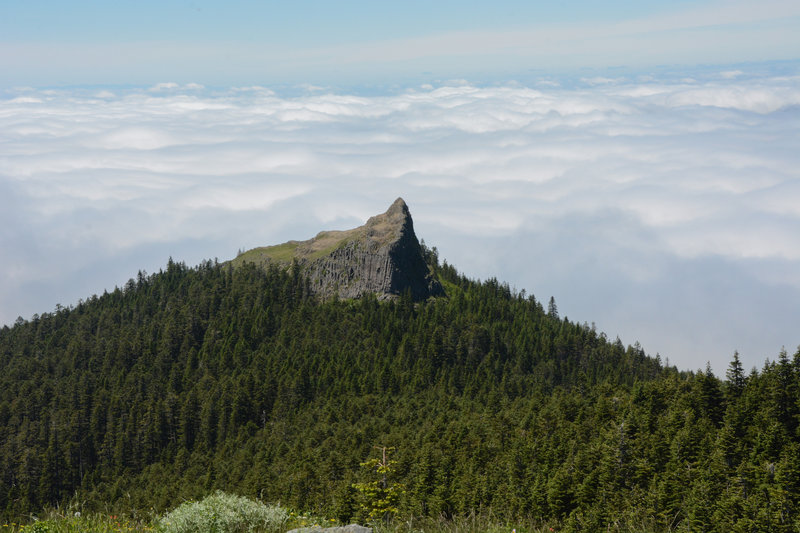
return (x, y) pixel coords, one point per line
(223, 513)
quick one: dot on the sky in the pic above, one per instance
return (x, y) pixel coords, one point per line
(637, 161)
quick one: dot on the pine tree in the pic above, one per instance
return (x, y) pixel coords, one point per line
(735, 378)
(552, 308)
(381, 495)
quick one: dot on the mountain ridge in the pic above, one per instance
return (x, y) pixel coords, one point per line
(211, 377)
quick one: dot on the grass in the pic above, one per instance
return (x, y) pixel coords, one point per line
(473, 523)
(283, 253)
(54, 522)
(202, 517)
(226, 513)
(320, 246)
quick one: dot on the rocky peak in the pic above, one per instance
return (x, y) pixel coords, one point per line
(397, 214)
(382, 257)
(391, 226)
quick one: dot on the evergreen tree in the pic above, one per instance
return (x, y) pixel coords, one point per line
(552, 308)
(735, 378)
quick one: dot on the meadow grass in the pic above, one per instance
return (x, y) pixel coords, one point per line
(227, 513)
(221, 517)
(53, 522)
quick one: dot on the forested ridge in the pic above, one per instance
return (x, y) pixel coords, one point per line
(196, 379)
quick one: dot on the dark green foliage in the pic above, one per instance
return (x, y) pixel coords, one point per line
(198, 379)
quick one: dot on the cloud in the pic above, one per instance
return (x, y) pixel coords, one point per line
(164, 86)
(662, 208)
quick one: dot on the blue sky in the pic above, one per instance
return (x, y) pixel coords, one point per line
(299, 23)
(356, 42)
(638, 161)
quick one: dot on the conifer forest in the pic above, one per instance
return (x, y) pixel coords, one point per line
(198, 379)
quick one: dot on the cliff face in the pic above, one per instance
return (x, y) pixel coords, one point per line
(381, 257)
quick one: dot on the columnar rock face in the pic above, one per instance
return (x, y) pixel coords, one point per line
(382, 257)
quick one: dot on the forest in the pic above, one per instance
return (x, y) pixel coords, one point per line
(197, 379)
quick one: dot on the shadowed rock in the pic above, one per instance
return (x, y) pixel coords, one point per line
(382, 257)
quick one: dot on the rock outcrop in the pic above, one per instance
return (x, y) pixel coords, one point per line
(382, 257)
(352, 528)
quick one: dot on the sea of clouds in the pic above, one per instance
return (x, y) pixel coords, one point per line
(665, 209)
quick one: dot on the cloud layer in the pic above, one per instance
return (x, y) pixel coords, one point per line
(664, 209)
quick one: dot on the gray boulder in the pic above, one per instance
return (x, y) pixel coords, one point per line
(352, 528)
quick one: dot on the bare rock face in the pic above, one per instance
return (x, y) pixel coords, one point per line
(382, 257)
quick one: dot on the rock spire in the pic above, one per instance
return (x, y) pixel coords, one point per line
(382, 257)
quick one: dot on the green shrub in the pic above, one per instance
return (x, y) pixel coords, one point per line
(223, 513)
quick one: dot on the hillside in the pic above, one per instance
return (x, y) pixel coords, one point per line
(243, 378)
